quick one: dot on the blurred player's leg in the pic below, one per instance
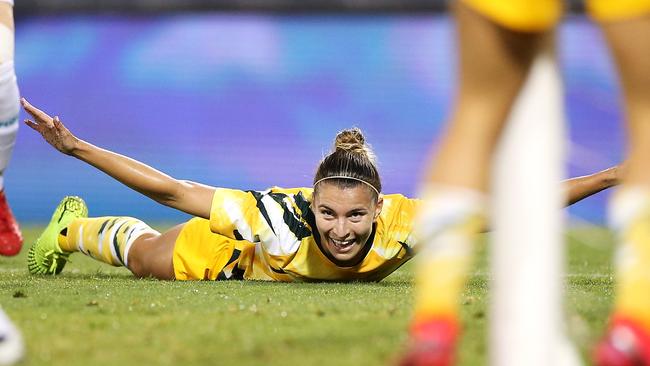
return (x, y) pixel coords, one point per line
(526, 250)
(628, 339)
(10, 236)
(11, 342)
(493, 65)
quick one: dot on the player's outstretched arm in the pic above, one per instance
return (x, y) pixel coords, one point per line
(189, 197)
(579, 188)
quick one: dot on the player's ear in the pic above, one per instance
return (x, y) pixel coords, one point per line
(379, 206)
(312, 203)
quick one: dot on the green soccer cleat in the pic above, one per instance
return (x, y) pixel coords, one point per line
(45, 256)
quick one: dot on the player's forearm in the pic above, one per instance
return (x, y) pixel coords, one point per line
(132, 173)
(582, 187)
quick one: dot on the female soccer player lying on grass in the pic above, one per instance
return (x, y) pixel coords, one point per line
(342, 229)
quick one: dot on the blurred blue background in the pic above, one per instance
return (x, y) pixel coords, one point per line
(252, 100)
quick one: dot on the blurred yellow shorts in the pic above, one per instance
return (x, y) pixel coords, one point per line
(200, 254)
(540, 15)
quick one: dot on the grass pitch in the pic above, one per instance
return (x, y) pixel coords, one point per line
(94, 314)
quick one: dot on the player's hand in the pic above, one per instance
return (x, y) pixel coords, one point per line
(52, 130)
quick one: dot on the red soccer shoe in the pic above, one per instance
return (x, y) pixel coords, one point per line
(433, 343)
(11, 240)
(626, 343)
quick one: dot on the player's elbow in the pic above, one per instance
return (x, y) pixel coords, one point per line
(171, 194)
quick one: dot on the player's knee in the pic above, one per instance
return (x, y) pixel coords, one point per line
(137, 266)
(147, 258)
(137, 259)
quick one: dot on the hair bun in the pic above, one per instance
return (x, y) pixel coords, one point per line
(351, 140)
(352, 158)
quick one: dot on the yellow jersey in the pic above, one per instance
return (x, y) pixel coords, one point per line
(274, 236)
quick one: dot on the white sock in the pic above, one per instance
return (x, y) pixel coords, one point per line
(442, 207)
(446, 228)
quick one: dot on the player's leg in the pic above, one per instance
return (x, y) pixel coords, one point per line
(11, 343)
(628, 338)
(118, 241)
(189, 251)
(123, 241)
(493, 65)
(10, 237)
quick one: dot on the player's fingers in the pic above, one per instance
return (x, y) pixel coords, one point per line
(32, 125)
(35, 112)
(26, 106)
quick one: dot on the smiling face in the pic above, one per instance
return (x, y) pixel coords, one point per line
(344, 218)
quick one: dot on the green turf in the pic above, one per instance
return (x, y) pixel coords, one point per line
(94, 314)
